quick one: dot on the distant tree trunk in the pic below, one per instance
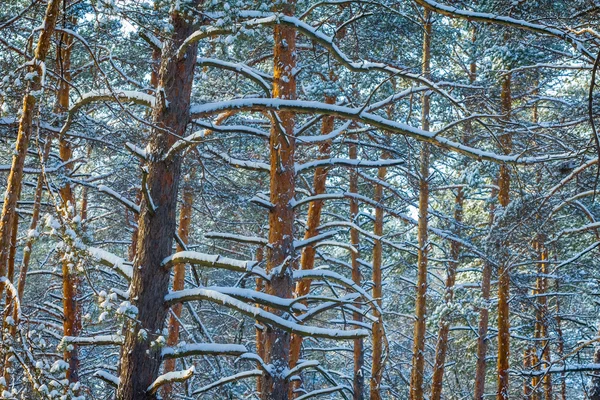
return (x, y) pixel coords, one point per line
(444, 329)
(527, 364)
(140, 363)
(377, 328)
(15, 177)
(260, 341)
(418, 357)
(313, 220)
(358, 350)
(503, 270)
(280, 251)
(71, 282)
(543, 321)
(35, 217)
(560, 348)
(185, 220)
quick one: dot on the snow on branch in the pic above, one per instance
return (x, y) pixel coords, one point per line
(126, 202)
(508, 21)
(267, 317)
(203, 349)
(559, 369)
(347, 162)
(247, 295)
(320, 392)
(107, 377)
(129, 96)
(232, 378)
(315, 107)
(234, 162)
(214, 261)
(170, 377)
(91, 340)
(12, 296)
(112, 261)
(236, 238)
(257, 76)
(298, 244)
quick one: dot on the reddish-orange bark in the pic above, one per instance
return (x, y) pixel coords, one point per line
(280, 252)
(418, 358)
(313, 220)
(503, 270)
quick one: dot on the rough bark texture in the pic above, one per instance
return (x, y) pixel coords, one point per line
(358, 382)
(313, 220)
(280, 251)
(185, 219)
(418, 357)
(140, 363)
(503, 270)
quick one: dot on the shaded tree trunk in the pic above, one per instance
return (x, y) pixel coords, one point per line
(503, 270)
(140, 363)
(185, 220)
(418, 357)
(358, 382)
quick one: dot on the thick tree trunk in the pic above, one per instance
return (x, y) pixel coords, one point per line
(503, 270)
(185, 219)
(140, 363)
(418, 357)
(280, 251)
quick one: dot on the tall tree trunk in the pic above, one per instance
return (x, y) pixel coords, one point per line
(15, 177)
(313, 220)
(140, 363)
(71, 282)
(358, 383)
(444, 329)
(503, 270)
(418, 357)
(377, 327)
(280, 251)
(185, 220)
(560, 348)
(260, 341)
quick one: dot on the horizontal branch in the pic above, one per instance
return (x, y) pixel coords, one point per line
(203, 349)
(170, 377)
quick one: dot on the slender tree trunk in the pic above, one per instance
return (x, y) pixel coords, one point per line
(560, 348)
(313, 220)
(185, 219)
(418, 358)
(358, 350)
(377, 328)
(15, 176)
(527, 364)
(444, 329)
(260, 341)
(280, 251)
(71, 281)
(140, 363)
(35, 217)
(503, 270)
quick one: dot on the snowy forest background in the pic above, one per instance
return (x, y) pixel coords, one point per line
(336, 199)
